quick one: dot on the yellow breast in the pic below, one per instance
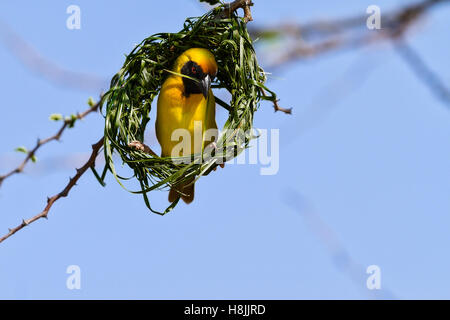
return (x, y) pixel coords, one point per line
(176, 111)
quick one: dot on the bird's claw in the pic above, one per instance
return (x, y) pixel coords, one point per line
(139, 146)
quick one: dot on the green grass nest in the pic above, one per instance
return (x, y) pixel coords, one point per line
(135, 86)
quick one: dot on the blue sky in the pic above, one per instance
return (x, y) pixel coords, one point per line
(370, 175)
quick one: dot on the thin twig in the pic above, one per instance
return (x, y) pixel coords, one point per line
(276, 106)
(50, 201)
(239, 4)
(422, 71)
(40, 143)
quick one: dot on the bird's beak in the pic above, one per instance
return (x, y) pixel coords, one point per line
(205, 85)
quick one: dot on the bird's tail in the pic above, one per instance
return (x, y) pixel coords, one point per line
(185, 190)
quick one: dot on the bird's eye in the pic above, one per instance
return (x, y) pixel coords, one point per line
(194, 71)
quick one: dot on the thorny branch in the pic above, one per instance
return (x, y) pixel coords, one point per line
(40, 143)
(64, 193)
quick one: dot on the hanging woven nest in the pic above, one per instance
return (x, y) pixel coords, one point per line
(135, 86)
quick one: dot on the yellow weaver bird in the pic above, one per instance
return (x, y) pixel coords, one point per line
(181, 103)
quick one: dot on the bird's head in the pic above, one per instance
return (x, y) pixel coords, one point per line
(200, 64)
